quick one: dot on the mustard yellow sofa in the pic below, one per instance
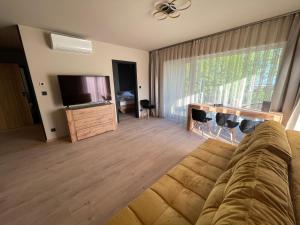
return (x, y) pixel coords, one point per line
(220, 184)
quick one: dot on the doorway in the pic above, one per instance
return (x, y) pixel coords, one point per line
(126, 90)
(19, 112)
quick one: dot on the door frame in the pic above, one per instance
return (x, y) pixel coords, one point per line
(30, 84)
(115, 78)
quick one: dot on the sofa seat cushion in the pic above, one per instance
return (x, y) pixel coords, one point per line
(179, 196)
(255, 191)
(294, 140)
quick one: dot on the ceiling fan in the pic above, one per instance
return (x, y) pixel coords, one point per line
(170, 8)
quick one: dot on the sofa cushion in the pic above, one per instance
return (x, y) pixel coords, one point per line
(215, 198)
(255, 191)
(179, 196)
(240, 151)
(269, 135)
(125, 216)
(294, 140)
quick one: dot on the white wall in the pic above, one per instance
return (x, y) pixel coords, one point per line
(45, 64)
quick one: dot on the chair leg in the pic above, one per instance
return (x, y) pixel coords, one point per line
(195, 125)
(147, 113)
(233, 135)
(200, 127)
(152, 112)
(209, 128)
(219, 131)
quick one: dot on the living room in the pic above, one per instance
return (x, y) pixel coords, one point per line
(149, 112)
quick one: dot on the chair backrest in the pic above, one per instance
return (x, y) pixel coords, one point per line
(198, 115)
(145, 103)
(248, 126)
(221, 119)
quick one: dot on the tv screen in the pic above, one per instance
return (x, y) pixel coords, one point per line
(77, 90)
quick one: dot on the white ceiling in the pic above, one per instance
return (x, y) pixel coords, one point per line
(129, 22)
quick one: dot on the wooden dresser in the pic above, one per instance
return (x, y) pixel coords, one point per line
(90, 121)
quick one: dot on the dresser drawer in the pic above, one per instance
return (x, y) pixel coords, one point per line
(92, 131)
(97, 120)
(92, 112)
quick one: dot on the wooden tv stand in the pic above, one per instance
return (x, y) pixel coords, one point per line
(88, 121)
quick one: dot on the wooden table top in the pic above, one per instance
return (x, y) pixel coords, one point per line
(232, 110)
(248, 113)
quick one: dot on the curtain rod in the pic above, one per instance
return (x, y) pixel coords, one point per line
(235, 28)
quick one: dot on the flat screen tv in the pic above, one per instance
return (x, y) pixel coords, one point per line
(77, 90)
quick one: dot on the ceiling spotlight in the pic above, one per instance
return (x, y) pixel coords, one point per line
(170, 8)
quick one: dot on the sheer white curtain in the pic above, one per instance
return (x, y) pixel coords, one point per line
(241, 78)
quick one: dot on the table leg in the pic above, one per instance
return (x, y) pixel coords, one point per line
(189, 119)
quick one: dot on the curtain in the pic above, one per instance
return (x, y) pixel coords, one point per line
(287, 91)
(294, 121)
(236, 68)
(154, 81)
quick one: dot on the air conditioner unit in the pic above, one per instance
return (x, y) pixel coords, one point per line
(65, 43)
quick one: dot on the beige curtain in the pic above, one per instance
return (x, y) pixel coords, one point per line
(155, 81)
(157, 59)
(250, 37)
(265, 33)
(287, 91)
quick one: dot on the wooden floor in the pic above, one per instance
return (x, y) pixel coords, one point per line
(60, 183)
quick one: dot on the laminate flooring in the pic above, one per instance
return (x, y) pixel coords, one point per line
(60, 183)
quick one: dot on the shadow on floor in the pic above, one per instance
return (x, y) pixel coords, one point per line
(224, 135)
(24, 138)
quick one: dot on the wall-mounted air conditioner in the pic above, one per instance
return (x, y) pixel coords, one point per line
(65, 43)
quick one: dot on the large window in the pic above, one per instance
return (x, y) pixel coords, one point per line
(241, 78)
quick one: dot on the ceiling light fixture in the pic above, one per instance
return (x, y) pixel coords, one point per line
(170, 8)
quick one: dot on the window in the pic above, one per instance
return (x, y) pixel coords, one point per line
(242, 78)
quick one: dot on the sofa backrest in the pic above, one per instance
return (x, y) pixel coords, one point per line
(255, 187)
(271, 135)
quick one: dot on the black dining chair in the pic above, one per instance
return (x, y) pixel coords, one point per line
(248, 126)
(147, 106)
(199, 118)
(227, 121)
